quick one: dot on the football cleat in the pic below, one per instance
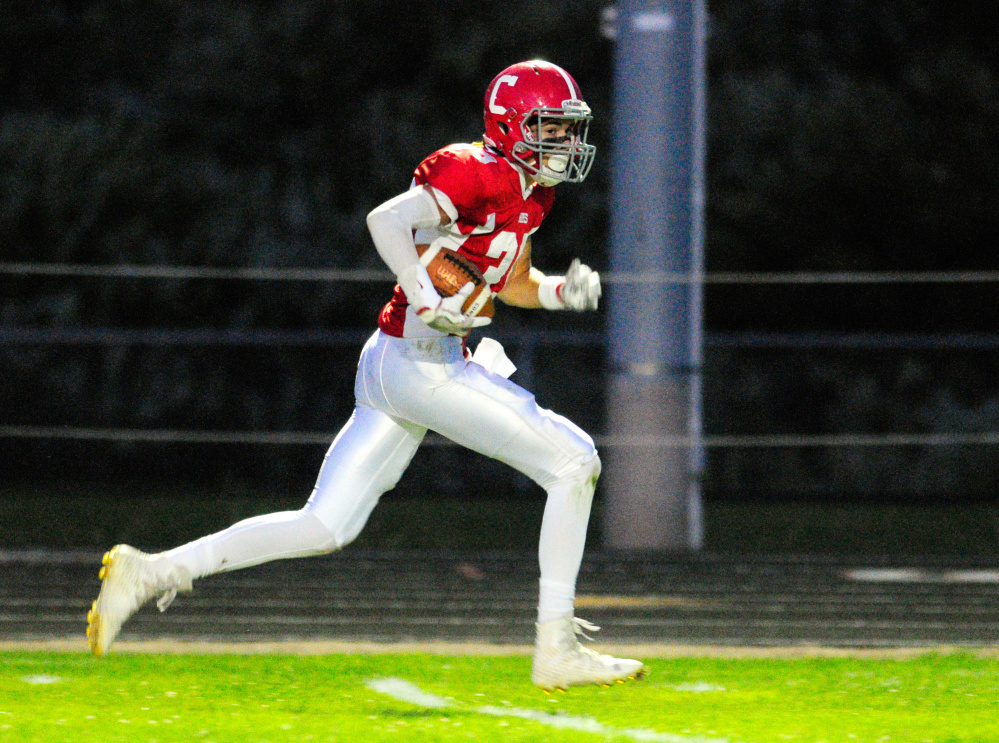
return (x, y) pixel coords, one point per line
(129, 579)
(560, 661)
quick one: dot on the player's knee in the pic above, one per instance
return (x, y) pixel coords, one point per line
(581, 473)
(594, 467)
(315, 533)
(589, 472)
(340, 526)
(387, 480)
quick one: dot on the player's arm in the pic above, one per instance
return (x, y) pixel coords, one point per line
(391, 226)
(528, 287)
(521, 288)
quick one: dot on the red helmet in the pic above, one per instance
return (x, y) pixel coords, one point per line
(518, 103)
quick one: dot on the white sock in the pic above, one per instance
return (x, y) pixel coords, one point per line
(560, 549)
(273, 536)
(555, 600)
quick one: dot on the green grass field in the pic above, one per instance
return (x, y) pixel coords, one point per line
(47, 696)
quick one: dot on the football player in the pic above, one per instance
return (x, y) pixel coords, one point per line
(484, 200)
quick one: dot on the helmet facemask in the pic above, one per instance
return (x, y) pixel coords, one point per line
(551, 161)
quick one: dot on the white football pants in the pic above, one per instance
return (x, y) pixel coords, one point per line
(405, 387)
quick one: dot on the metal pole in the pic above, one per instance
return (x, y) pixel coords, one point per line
(652, 496)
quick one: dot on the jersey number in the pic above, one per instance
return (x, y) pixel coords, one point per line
(505, 247)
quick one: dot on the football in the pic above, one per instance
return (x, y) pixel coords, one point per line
(449, 271)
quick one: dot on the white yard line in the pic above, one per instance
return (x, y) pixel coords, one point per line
(41, 679)
(405, 691)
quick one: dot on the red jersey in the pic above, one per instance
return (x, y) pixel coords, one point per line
(493, 208)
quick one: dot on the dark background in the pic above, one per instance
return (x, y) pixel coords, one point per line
(843, 136)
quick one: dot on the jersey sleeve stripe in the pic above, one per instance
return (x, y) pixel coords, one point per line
(445, 202)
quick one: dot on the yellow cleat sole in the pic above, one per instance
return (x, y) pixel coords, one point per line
(93, 630)
(93, 618)
(634, 677)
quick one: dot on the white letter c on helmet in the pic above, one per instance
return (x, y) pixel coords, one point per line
(510, 80)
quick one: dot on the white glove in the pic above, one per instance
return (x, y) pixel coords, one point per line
(418, 288)
(581, 289)
(447, 317)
